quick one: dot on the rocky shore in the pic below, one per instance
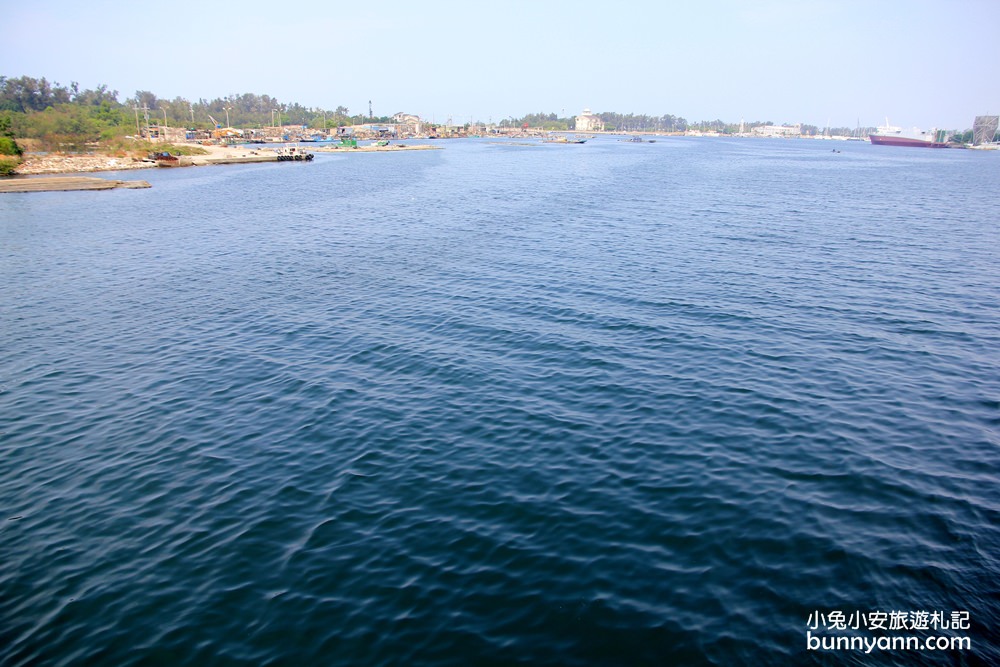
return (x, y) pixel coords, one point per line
(70, 164)
(39, 163)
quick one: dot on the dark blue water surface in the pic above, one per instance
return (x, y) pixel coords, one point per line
(599, 404)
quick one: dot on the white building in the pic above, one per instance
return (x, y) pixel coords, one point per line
(778, 130)
(407, 123)
(405, 118)
(588, 122)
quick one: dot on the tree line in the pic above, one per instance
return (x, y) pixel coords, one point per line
(68, 117)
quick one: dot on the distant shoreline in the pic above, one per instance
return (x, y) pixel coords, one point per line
(36, 164)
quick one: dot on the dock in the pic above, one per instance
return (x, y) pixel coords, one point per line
(67, 184)
(202, 160)
(228, 155)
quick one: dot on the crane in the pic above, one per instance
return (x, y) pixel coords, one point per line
(215, 122)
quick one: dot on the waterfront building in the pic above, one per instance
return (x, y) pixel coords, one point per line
(984, 129)
(588, 122)
(778, 131)
(407, 123)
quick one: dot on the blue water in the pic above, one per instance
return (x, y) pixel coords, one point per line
(599, 404)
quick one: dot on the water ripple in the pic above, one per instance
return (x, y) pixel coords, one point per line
(498, 405)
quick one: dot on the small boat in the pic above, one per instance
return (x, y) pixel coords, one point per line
(293, 154)
(165, 159)
(564, 140)
(638, 140)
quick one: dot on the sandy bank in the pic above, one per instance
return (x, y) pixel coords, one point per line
(67, 184)
(35, 163)
(69, 164)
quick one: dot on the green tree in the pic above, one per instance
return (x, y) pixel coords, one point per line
(144, 99)
(98, 96)
(8, 146)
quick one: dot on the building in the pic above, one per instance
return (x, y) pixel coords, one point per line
(405, 118)
(407, 123)
(984, 129)
(778, 131)
(588, 122)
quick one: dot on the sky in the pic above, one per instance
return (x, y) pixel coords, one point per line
(837, 63)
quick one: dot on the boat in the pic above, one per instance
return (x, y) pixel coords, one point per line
(564, 140)
(637, 140)
(857, 135)
(292, 153)
(165, 159)
(888, 135)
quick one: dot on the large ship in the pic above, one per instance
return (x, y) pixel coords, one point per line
(888, 135)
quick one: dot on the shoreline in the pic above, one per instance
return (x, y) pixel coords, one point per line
(67, 184)
(391, 148)
(35, 164)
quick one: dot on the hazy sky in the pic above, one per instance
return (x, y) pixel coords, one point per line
(924, 63)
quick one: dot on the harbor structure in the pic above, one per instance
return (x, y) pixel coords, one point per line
(984, 129)
(589, 122)
(407, 123)
(778, 130)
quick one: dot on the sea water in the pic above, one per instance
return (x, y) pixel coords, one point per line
(692, 402)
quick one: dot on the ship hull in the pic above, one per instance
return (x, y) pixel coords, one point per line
(881, 140)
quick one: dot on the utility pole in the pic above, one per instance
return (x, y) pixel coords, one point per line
(138, 132)
(371, 116)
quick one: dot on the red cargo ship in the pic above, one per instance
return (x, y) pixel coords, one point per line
(897, 136)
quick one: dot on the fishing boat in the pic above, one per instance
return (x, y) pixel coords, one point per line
(165, 159)
(292, 154)
(564, 140)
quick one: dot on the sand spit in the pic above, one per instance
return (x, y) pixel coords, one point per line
(72, 164)
(67, 184)
(36, 164)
